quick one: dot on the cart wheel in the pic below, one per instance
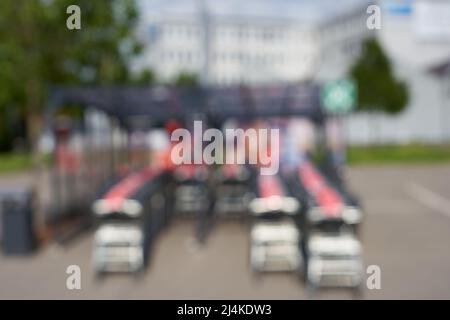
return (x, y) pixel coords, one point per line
(255, 269)
(300, 274)
(312, 290)
(356, 230)
(305, 269)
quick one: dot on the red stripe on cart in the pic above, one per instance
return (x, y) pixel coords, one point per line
(327, 198)
(269, 186)
(231, 170)
(125, 188)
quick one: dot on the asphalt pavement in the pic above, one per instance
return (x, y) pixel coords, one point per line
(406, 233)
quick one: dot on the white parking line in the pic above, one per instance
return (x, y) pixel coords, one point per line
(429, 199)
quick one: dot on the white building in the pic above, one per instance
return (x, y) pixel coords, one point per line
(252, 42)
(416, 36)
(267, 41)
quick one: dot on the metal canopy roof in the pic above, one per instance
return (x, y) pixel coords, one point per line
(163, 103)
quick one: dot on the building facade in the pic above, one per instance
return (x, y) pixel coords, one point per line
(233, 47)
(417, 42)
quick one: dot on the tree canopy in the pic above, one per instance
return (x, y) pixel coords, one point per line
(37, 50)
(378, 88)
(186, 79)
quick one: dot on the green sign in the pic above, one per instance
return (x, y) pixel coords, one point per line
(339, 96)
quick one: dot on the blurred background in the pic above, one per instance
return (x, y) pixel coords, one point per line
(82, 110)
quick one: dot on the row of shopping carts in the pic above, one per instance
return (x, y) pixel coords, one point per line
(301, 220)
(305, 223)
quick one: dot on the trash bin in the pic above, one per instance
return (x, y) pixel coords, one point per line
(17, 221)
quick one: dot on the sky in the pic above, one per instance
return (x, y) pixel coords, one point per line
(307, 11)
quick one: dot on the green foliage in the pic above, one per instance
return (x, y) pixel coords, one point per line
(13, 162)
(18, 161)
(377, 87)
(37, 50)
(398, 154)
(146, 77)
(187, 80)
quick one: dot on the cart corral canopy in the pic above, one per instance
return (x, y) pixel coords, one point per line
(162, 103)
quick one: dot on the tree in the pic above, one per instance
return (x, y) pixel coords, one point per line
(378, 88)
(185, 79)
(37, 50)
(146, 77)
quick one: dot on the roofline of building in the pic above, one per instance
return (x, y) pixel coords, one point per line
(265, 20)
(356, 11)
